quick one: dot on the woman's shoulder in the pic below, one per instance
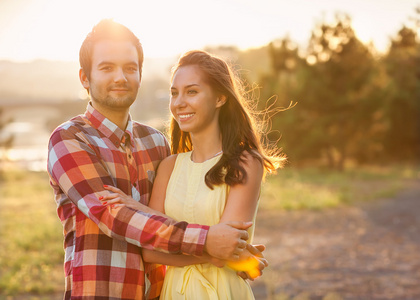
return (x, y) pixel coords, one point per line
(251, 157)
(167, 165)
(251, 161)
(168, 161)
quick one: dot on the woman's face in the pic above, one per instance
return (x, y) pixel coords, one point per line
(194, 104)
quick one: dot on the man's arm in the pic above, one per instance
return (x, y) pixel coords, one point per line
(223, 240)
(77, 170)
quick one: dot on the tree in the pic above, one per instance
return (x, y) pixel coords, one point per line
(279, 88)
(402, 141)
(337, 93)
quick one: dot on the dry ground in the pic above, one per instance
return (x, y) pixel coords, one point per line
(365, 251)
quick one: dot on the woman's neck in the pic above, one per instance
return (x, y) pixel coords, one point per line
(206, 146)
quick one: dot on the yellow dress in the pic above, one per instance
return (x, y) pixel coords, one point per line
(189, 199)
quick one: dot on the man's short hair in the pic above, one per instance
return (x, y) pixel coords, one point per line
(106, 29)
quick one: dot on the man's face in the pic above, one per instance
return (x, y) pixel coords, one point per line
(115, 76)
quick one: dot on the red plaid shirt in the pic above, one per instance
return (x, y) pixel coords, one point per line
(102, 244)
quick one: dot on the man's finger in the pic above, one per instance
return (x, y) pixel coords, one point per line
(242, 244)
(243, 234)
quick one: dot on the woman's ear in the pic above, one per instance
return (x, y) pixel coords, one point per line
(221, 100)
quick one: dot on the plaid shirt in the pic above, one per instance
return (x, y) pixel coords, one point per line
(102, 244)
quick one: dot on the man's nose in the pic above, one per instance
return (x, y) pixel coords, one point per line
(119, 75)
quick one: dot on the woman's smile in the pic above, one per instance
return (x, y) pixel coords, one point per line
(185, 117)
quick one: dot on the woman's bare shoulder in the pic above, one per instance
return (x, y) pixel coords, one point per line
(252, 161)
(168, 163)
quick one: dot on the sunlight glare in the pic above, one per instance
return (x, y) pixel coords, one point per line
(54, 30)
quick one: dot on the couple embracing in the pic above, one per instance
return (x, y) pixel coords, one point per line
(144, 218)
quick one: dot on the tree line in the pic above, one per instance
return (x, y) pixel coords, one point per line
(353, 105)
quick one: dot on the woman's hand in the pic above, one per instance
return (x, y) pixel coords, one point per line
(119, 198)
(251, 262)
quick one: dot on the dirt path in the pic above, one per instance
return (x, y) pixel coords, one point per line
(367, 251)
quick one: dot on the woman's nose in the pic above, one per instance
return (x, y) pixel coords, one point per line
(179, 101)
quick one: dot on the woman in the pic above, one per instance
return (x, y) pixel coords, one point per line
(214, 175)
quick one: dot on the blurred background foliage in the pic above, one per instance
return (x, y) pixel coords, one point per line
(354, 106)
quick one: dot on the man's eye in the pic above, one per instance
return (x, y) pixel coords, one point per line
(132, 69)
(106, 68)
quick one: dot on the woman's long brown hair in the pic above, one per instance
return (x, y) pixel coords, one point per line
(237, 124)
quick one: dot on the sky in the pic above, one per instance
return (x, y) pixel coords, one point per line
(55, 29)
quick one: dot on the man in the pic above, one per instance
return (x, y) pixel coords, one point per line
(105, 147)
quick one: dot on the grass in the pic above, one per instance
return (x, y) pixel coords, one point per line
(30, 236)
(315, 189)
(31, 253)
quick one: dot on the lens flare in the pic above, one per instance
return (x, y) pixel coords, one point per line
(249, 265)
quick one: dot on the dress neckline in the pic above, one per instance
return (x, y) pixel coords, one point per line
(209, 159)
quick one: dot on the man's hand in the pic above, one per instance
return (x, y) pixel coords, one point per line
(256, 251)
(227, 240)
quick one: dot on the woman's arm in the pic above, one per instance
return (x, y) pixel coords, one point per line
(241, 205)
(242, 199)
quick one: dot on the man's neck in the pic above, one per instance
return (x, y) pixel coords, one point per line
(117, 116)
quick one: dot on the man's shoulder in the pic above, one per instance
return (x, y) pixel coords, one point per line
(69, 127)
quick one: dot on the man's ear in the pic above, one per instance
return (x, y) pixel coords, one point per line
(84, 80)
(221, 100)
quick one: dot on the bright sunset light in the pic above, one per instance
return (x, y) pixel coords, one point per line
(54, 30)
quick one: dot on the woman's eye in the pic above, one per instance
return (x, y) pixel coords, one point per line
(173, 94)
(192, 92)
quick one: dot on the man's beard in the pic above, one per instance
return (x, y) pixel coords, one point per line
(124, 101)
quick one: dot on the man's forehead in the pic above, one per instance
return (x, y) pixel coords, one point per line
(120, 51)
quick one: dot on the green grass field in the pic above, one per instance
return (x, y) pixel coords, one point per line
(315, 189)
(30, 236)
(31, 253)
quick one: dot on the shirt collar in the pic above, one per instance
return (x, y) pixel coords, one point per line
(107, 128)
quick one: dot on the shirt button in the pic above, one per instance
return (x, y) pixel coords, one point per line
(129, 156)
